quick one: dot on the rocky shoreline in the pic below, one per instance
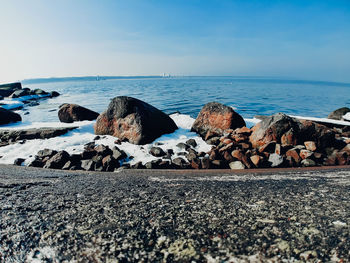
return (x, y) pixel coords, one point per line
(277, 141)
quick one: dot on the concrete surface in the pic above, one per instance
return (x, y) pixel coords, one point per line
(174, 216)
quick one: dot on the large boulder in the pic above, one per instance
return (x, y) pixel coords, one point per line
(7, 116)
(7, 89)
(215, 117)
(279, 128)
(338, 114)
(72, 112)
(133, 120)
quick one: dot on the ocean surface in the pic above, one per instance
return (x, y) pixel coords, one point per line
(187, 95)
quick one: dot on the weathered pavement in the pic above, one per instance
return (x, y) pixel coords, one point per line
(133, 216)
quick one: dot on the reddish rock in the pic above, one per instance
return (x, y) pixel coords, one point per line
(227, 147)
(289, 138)
(72, 112)
(305, 154)
(238, 154)
(239, 138)
(226, 141)
(245, 146)
(346, 149)
(310, 145)
(278, 149)
(293, 154)
(273, 128)
(196, 164)
(133, 120)
(323, 136)
(216, 117)
(244, 130)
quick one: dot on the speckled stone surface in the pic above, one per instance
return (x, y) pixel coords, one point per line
(169, 216)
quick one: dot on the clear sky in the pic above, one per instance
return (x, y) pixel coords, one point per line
(303, 39)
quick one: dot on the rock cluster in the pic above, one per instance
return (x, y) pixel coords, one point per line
(93, 158)
(7, 116)
(280, 141)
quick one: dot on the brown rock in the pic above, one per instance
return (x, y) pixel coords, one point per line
(72, 112)
(342, 158)
(228, 157)
(244, 130)
(205, 163)
(273, 128)
(293, 154)
(338, 113)
(216, 117)
(196, 163)
(278, 149)
(256, 160)
(268, 147)
(310, 145)
(133, 120)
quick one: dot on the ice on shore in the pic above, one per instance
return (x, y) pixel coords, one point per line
(17, 103)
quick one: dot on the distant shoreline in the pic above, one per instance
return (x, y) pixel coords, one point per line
(100, 78)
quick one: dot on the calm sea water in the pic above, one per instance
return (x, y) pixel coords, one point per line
(250, 96)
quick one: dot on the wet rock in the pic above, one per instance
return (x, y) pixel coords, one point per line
(18, 161)
(338, 113)
(216, 117)
(236, 165)
(133, 120)
(19, 93)
(69, 113)
(58, 160)
(275, 160)
(40, 92)
(273, 128)
(7, 116)
(54, 94)
(157, 152)
(7, 89)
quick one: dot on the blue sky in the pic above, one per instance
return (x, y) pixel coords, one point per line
(294, 39)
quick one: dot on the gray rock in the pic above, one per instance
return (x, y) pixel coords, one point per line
(157, 152)
(275, 160)
(236, 165)
(191, 142)
(308, 163)
(338, 113)
(7, 116)
(58, 160)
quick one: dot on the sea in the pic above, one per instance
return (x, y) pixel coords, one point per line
(180, 97)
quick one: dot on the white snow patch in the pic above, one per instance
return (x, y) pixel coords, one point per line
(347, 116)
(73, 141)
(346, 123)
(251, 122)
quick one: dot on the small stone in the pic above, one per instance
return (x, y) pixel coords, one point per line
(256, 160)
(87, 165)
(236, 165)
(19, 161)
(205, 163)
(268, 147)
(157, 152)
(182, 146)
(310, 145)
(308, 163)
(97, 138)
(304, 154)
(294, 155)
(191, 142)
